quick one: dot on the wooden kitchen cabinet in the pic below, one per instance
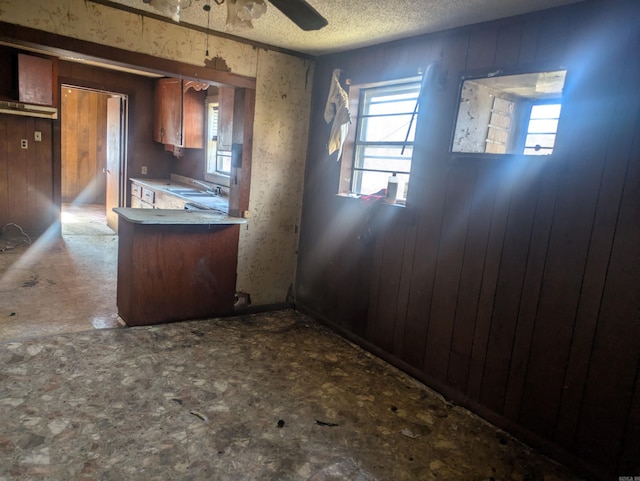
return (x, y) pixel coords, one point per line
(143, 197)
(36, 77)
(175, 272)
(168, 201)
(179, 113)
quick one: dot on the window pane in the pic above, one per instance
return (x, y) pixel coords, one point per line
(546, 111)
(224, 162)
(543, 140)
(386, 115)
(385, 108)
(387, 129)
(388, 158)
(543, 126)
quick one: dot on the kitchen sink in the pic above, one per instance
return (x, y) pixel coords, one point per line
(183, 191)
(197, 194)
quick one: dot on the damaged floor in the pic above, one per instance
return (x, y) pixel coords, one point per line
(272, 396)
(259, 397)
(59, 284)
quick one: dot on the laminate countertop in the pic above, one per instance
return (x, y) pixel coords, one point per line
(176, 217)
(187, 191)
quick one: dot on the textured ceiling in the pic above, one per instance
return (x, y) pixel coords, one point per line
(355, 23)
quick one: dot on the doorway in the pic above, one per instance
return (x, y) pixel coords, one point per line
(93, 153)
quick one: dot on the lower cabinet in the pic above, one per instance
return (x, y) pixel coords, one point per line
(143, 197)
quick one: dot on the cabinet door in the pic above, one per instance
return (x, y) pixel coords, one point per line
(168, 118)
(168, 201)
(35, 80)
(193, 109)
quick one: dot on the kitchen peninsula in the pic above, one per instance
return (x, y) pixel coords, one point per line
(175, 265)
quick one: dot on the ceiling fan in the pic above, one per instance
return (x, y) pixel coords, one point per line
(298, 11)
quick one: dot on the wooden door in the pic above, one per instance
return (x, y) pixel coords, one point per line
(83, 124)
(114, 157)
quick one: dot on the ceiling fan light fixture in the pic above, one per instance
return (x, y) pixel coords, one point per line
(238, 17)
(169, 8)
(251, 9)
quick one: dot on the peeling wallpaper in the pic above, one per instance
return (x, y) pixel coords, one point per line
(267, 249)
(108, 26)
(268, 242)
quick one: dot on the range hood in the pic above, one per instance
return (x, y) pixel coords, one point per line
(28, 110)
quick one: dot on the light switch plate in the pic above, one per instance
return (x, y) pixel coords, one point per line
(24, 144)
(37, 136)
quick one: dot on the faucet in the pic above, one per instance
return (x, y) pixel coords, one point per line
(213, 190)
(207, 187)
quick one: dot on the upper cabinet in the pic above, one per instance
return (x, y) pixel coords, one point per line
(28, 79)
(35, 80)
(180, 113)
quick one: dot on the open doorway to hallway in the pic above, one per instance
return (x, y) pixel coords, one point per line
(93, 153)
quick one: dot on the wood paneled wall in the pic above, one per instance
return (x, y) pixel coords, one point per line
(511, 286)
(84, 153)
(26, 175)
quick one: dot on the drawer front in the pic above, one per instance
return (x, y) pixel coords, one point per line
(136, 190)
(137, 203)
(148, 195)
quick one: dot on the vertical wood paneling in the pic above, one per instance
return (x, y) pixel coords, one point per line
(482, 49)
(488, 287)
(447, 271)
(508, 45)
(589, 113)
(384, 297)
(431, 178)
(531, 290)
(515, 288)
(617, 161)
(508, 294)
(4, 171)
(612, 378)
(470, 283)
(83, 145)
(26, 179)
(17, 173)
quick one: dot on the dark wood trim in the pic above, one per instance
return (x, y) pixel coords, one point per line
(62, 46)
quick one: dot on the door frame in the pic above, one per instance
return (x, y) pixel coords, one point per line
(124, 129)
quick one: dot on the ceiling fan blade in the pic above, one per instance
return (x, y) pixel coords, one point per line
(301, 13)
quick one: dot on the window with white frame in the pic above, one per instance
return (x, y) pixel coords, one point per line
(382, 142)
(542, 129)
(212, 135)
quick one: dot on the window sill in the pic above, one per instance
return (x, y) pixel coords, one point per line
(394, 213)
(219, 179)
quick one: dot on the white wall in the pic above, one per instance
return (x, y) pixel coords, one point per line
(267, 258)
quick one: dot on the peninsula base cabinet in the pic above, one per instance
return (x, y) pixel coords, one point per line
(175, 272)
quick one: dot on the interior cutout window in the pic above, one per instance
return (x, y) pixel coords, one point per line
(382, 143)
(509, 114)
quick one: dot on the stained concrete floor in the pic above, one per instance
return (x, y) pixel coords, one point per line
(271, 396)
